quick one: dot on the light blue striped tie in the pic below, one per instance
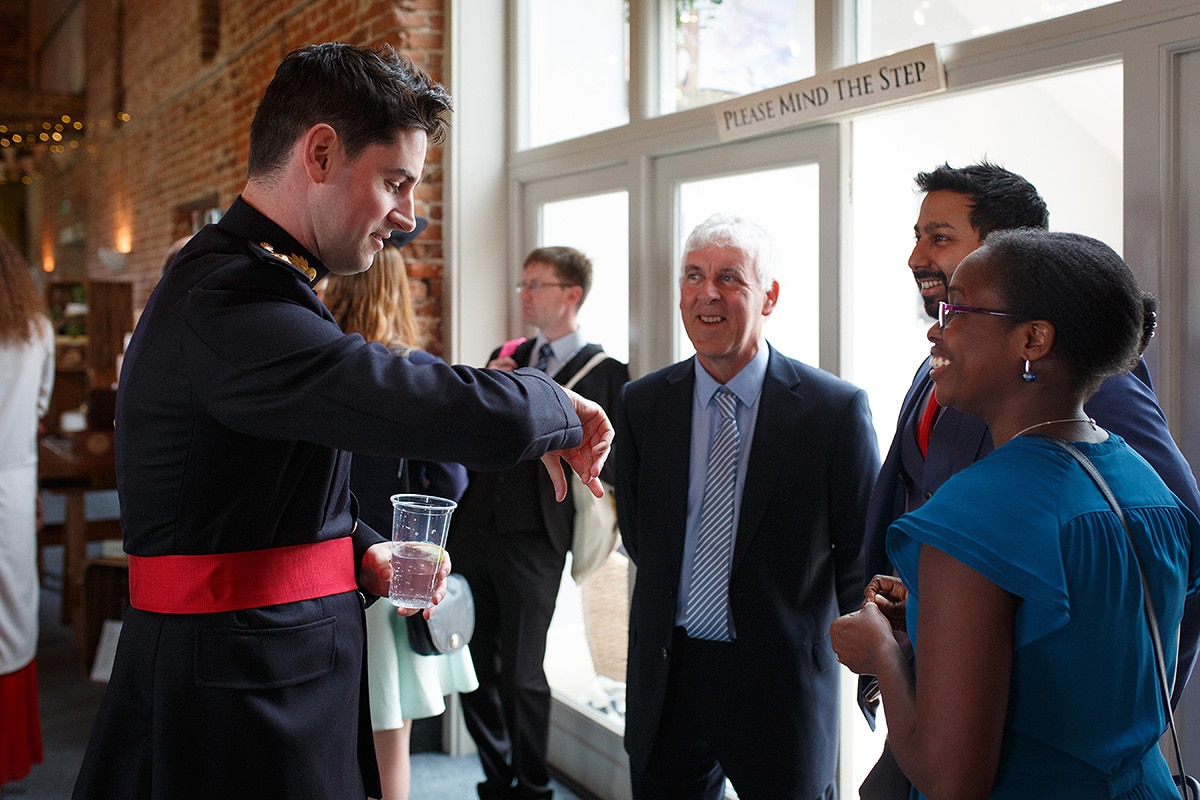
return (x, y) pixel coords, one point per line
(708, 595)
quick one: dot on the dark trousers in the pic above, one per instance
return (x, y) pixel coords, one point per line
(508, 716)
(696, 749)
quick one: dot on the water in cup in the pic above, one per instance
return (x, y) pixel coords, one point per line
(419, 527)
(414, 573)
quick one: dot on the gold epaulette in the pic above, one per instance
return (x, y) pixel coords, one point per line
(298, 263)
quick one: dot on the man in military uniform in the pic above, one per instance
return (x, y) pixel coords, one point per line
(239, 671)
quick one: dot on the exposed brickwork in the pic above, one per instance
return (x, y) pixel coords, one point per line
(188, 134)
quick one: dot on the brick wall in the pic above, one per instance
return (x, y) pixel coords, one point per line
(187, 137)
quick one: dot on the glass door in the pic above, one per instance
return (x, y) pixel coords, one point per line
(586, 645)
(585, 654)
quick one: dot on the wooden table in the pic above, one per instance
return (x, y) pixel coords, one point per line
(73, 465)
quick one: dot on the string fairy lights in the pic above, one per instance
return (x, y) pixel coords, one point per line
(24, 144)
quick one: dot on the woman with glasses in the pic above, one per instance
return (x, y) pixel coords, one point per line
(1034, 669)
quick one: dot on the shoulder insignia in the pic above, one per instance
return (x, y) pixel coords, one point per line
(299, 263)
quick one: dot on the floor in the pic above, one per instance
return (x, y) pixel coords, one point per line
(69, 700)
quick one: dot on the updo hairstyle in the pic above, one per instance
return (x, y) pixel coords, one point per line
(1102, 319)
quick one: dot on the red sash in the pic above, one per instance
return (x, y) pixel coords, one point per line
(206, 584)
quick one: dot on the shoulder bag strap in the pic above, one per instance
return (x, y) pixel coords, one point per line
(585, 369)
(1188, 787)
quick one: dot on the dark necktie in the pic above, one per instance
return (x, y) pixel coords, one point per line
(708, 595)
(544, 353)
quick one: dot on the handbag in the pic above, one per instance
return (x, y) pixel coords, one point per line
(594, 533)
(452, 624)
(1189, 788)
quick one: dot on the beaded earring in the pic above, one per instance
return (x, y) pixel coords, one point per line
(1028, 375)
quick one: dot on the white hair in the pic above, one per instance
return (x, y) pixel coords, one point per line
(728, 230)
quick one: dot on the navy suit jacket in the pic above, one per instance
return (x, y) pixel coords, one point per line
(796, 561)
(1124, 404)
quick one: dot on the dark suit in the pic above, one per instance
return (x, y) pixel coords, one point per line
(509, 537)
(1124, 404)
(769, 711)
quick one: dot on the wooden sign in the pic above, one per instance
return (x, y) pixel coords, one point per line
(900, 76)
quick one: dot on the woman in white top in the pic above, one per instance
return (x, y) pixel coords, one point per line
(26, 378)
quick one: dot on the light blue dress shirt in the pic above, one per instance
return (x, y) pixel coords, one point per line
(747, 385)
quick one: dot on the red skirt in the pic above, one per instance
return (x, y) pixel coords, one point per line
(20, 729)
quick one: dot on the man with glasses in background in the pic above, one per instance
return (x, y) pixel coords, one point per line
(960, 208)
(510, 540)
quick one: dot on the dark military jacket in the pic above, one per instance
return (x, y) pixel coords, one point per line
(238, 403)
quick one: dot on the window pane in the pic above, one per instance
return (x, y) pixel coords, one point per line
(604, 315)
(886, 26)
(586, 645)
(785, 202)
(571, 90)
(734, 47)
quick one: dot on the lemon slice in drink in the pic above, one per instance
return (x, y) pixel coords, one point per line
(425, 550)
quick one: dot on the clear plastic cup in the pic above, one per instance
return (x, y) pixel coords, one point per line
(420, 523)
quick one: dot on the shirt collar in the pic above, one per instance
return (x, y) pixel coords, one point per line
(747, 384)
(563, 346)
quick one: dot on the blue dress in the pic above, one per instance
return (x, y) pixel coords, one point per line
(1084, 712)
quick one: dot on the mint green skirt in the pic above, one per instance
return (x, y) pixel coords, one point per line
(404, 685)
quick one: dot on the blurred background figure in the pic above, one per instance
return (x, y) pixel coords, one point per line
(403, 685)
(26, 379)
(173, 251)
